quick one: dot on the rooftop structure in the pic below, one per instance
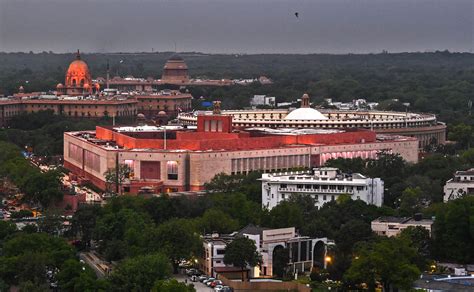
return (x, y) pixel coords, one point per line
(175, 70)
(460, 185)
(392, 226)
(425, 127)
(322, 185)
(175, 159)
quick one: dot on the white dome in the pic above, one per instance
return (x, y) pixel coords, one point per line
(305, 114)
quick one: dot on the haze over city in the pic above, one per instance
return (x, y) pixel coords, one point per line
(243, 26)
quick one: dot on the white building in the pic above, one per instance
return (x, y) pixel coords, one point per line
(303, 252)
(323, 185)
(461, 184)
(262, 100)
(392, 226)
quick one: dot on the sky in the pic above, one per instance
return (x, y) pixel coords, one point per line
(237, 26)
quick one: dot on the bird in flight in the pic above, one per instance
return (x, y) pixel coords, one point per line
(297, 14)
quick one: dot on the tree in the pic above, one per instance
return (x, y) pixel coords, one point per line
(463, 134)
(177, 239)
(453, 235)
(140, 273)
(419, 238)
(215, 220)
(75, 276)
(172, 286)
(242, 252)
(286, 214)
(388, 261)
(411, 201)
(25, 257)
(84, 221)
(115, 177)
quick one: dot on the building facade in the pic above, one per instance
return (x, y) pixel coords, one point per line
(425, 127)
(460, 185)
(174, 158)
(303, 252)
(392, 226)
(322, 185)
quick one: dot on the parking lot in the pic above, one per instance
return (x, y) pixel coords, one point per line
(200, 287)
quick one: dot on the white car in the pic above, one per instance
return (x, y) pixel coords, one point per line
(218, 288)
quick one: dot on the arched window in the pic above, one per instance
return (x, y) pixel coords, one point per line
(74, 82)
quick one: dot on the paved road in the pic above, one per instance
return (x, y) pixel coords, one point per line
(200, 287)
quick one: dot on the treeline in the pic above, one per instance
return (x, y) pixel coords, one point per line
(439, 82)
(42, 132)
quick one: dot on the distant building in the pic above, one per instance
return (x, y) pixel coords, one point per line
(425, 127)
(323, 185)
(262, 100)
(78, 80)
(392, 226)
(303, 252)
(461, 184)
(175, 70)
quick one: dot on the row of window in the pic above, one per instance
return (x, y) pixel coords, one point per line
(324, 187)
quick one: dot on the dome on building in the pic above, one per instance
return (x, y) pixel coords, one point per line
(162, 113)
(305, 113)
(60, 85)
(78, 73)
(176, 57)
(141, 116)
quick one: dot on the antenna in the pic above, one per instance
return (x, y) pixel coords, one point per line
(108, 73)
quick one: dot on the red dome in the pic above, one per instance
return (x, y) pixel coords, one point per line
(78, 73)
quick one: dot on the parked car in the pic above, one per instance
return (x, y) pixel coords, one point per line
(209, 280)
(191, 272)
(215, 283)
(218, 288)
(202, 278)
(194, 278)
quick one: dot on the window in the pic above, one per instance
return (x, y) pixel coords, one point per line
(360, 188)
(340, 188)
(220, 251)
(283, 186)
(324, 197)
(307, 186)
(299, 186)
(283, 196)
(324, 187)
(172, 169)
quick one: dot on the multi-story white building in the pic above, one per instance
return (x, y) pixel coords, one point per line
(392, 226)
(322, 184)
(461, 184)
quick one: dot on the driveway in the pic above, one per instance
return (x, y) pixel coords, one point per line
(200, 287)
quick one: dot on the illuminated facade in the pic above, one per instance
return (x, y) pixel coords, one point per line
(78, 79)
(173, 158)
(425, 127)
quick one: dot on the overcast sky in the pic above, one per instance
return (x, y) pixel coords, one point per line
(237, 26)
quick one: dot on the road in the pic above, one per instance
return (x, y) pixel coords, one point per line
(200, 287)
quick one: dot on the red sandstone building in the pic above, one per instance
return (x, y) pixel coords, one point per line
(169, 159)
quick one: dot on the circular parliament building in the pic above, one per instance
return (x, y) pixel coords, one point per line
(425, 127)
